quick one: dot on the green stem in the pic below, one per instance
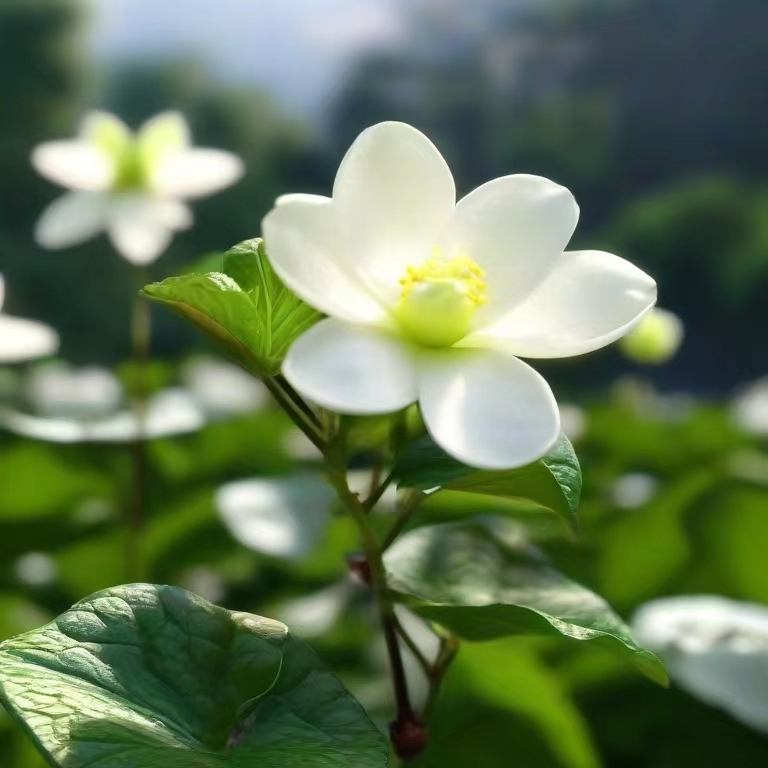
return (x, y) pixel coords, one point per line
(449, 648)
(409, 507)
(375, 497)
(140, 337)
(296, 414)
(413, 648)
(372, 549)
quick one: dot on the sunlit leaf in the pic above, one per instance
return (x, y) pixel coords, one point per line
(553, 482)
(156, 677)
(246, 309)
(474, 579)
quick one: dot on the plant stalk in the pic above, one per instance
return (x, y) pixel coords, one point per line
(140, 341)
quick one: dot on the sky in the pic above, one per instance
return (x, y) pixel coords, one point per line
(299, 49)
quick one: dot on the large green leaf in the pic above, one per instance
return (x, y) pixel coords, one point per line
(247, 310)
(552, 482)
(143, 676)
(483, 584)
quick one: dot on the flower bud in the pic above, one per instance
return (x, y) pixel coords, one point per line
(656, 339)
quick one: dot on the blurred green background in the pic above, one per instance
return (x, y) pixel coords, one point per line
(652, 111)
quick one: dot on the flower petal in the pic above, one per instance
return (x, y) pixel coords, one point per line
(301, 239)
(71, 219)
(394, 193)
(486, 408)
(351, 369)
(163, 136)
(22, 340)
(514, 227)
(196, 172)
(588, 300)
(2, 291)
(78, 165)
(284, 517)
(141, 228)
(107, 132)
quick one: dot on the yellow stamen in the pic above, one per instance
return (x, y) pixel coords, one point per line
(439, 298)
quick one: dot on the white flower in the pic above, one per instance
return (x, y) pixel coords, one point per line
(22, 340)
(435, 302)
(716, 649)
(750, 408)
(130, 186)
(222, 389)
(284, 517)
(656, 338)
(169, 413)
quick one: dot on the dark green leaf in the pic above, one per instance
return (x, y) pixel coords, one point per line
(483, 584)
(553, 482)
(143, 676)
(255, 321)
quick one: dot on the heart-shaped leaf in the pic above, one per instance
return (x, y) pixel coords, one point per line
(483, 584)
(552, 482)
(246, 309)
(143, 676)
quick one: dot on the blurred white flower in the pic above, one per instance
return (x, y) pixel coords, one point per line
(130, 186)
(633, 490)
(59, 390)
(750, 408)
(22, 340)
(655, 339)
(573, 421)
(222, 389)
(170, 412)
(205, 582)
(35, 569)
(714, 648)
(315, 614)
(282, 517)
(436, 302)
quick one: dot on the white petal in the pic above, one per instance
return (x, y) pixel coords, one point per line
(588, 300)
(22, 340)
(351, 369)
(107, 132)
(75, 164)
(71, 219)
(301, 240)
(486, 408)
(514, 227)
(196, 172)
(284, 518)
(141, 228)
(162, 136)
(2, 291)
(395, 194)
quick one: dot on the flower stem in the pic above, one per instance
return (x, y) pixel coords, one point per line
(140, 337)
(409, 507)
(372, 549)
(449, 648)
(297, 414)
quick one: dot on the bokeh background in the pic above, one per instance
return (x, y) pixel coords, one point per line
(652, 111)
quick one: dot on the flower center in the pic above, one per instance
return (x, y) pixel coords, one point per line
(132, 172)
(439, 299)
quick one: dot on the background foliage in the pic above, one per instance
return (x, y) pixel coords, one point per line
(653, 113)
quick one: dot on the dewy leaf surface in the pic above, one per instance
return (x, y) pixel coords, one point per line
(247, 310)
(472, 579)
(552, 482)
(145, 676)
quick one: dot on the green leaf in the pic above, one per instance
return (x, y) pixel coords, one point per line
(553, 482)
(143, 676)
(248, 311)
(480, 580)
